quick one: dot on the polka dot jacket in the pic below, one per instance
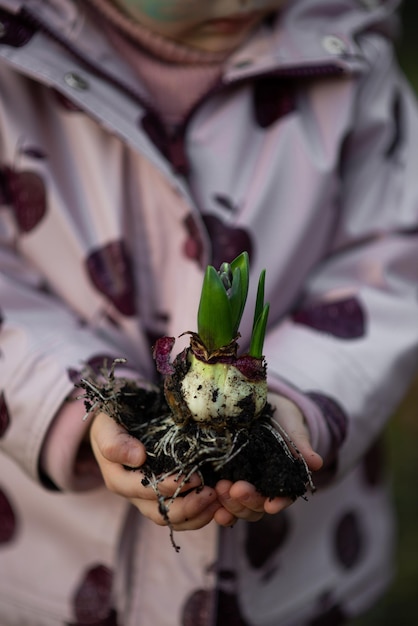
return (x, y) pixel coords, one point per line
(305, 155)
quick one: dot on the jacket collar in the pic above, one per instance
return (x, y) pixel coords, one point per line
(310, 34)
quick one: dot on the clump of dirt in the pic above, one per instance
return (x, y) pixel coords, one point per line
(255, 450)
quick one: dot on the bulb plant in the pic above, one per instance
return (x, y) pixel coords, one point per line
(217, 386)
(210, 413)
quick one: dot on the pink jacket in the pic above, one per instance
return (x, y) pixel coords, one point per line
(306, 156)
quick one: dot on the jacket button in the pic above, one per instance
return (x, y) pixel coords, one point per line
(75, 81)
(334, 45)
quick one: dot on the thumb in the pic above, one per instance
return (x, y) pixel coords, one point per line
(292, 420)
(112, 443)
(313, 460)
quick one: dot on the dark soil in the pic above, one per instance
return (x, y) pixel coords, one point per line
(263, 461)
(265, 464)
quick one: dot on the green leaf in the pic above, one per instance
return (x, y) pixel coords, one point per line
(259, 304)
(259, 333)
(235, 302)
(242, 264)
(214, 320)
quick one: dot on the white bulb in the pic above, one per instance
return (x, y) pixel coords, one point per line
(216, 392)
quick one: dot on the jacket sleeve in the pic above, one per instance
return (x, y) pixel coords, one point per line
(43, 346)
(351, 346)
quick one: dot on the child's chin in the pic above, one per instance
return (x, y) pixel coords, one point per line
(220, 36)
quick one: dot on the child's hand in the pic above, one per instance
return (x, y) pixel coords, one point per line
(292, 420)
(114, 449)
(240, 500)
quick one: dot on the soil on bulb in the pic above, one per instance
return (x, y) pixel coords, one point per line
(253, 453)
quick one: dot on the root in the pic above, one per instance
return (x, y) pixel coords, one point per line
(260, 452)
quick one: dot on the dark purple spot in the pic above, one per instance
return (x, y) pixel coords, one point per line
(227, 241)
(172, 146)
(343, 318)
(374, 464)
(110, 270)
(348, 540)
(4, 416)
(228, 610)
(16, 31)
(27, 197)
(193, 246)
(266, 537)
(92, 598)
(8, 522)
(273, 99)
(198, 608)
(110, 620)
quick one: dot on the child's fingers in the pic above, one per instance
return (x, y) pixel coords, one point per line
(133, 485)
(299, 435)
(112, 443)
(276, 505)
(193, 511)
(224, 518)
(171, 484)
(292, 420)
(124, 482)
(241, 500)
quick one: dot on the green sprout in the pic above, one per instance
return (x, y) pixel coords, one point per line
(222, 302)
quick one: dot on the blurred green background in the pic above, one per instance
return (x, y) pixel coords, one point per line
(399, 607)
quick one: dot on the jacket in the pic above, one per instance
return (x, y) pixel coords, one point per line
(305, 155)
